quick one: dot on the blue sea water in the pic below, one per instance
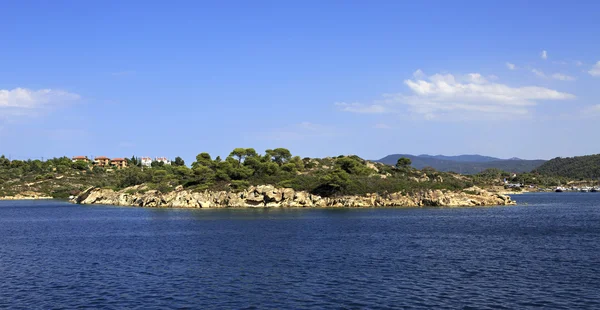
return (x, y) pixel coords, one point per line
(543, 253)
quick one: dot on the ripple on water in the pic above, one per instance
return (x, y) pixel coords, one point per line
(543, 255)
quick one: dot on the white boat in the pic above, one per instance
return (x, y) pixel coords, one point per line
(559, 189)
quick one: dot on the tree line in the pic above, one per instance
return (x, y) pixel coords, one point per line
(242, 168)
(579, 167)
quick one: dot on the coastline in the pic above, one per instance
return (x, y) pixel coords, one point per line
(26, 196)
(267, 196)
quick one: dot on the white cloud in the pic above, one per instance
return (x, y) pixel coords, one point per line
(555, 76)
(418, 74)
(26, 99)
(562, 77)
(361, 108)
(511, 66)
(544, 55)
(595, 71)
(476, 78)
(539, 73)
(444, 87)
(464, 97)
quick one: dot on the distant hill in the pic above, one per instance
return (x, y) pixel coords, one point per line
(463, 158)
(465, 164)
(579, 167)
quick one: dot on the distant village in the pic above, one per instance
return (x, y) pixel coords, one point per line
(119, 163)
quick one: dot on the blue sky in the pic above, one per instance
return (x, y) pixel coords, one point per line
(322, 78)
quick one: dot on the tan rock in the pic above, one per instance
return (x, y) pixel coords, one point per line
(269, 196)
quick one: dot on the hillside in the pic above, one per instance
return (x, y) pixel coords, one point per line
(465, 164)
(326, 177)
(579, 167)
(462, 158)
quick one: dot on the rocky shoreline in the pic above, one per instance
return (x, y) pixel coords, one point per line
(26, 196)
(267, 196)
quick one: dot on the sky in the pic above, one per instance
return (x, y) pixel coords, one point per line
(321, 78)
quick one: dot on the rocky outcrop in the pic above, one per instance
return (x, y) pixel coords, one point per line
(270, 196)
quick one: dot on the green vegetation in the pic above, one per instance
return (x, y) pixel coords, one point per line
(403, 162)
(342, 175)
(495, 176)
(58, 177)
(580, 167)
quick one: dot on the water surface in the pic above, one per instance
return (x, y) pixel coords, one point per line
(543, 253)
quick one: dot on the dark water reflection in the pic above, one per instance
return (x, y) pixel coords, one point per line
(544, 253)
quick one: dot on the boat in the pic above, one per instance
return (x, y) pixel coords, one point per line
(595, 189)
(559, 190)
(584, 190)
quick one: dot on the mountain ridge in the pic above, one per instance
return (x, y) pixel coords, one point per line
(465, 164)
(462, 157)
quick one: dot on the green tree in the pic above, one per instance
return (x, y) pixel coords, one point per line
(223, 170)
(203, 175)
(242, 153)
(236, 171)
(183, 172)
(279, 155)
(333, 182)
(79, 165)
(298, 162)
(131, 177)
(353, 166)
(134, 161)
(157, 164)
(267, 169)
(17, 164)
(36, 166)
(159, 176)
(403, 162)
(178, 162)
(203, 159)
(253, 162)
(289, 167)
(4, 162)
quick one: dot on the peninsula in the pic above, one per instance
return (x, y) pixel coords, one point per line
(276, 178)
(244, 179)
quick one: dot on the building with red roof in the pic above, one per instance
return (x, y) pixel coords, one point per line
(119, 163)
(80, 158)
(102, 161)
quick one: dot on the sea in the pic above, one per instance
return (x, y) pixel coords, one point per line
(542, 253)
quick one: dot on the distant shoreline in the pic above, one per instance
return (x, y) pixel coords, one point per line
(22, 197)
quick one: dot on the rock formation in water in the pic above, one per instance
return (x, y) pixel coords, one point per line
(270, 196)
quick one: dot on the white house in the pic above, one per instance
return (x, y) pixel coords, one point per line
(163, 160)
(146, 161)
